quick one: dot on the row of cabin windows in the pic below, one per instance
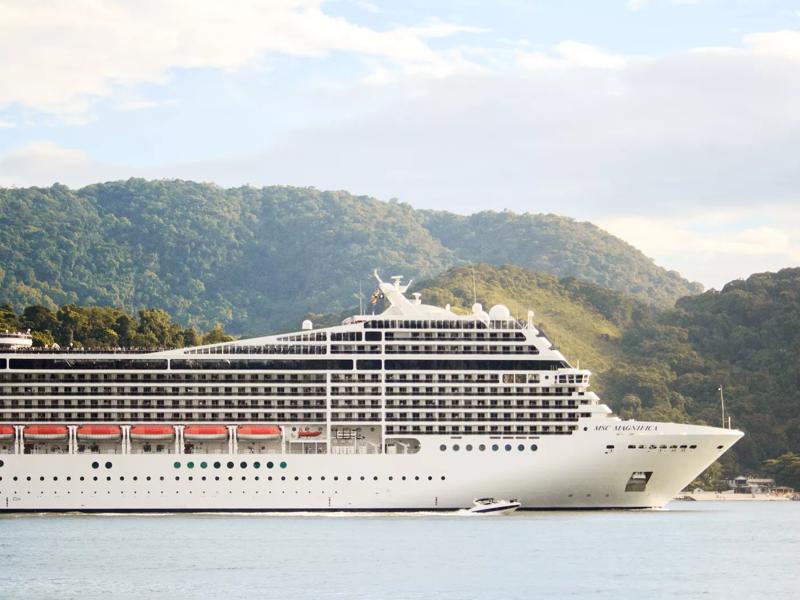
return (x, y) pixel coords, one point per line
(482, 417)
(161, 416)
(455, 335)
(481, 429)
(164, 377)
(493, 447)
(365, 478)
(262, 349)
(439, 324)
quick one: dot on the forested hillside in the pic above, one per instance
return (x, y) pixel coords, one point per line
(257, 259)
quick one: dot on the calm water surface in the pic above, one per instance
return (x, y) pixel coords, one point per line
(702, 549)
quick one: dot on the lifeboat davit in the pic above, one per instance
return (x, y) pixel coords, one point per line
(99, 432)
(46, 432)
(309, 433)
(6, 432)
(259, 432)
(152, 432)
(205, 432)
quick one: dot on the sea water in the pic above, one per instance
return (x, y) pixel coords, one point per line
(691, 549)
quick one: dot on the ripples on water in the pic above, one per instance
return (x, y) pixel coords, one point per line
(712, 550)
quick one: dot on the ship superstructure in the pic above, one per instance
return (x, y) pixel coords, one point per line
(416, 408)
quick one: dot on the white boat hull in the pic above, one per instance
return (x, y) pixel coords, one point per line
(577, 471)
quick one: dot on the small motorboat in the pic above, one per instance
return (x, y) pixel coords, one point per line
(492, 506)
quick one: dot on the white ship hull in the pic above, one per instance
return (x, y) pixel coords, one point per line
(578, 471)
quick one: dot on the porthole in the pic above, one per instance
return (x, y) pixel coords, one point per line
(270, 464)
(243, 465)
(362, 478)
(93, 478)
(161, 478)
(41, 478)
(230, 464)
(469, 447)
(443, 477)
(190, 464)
(217, 465)
(443, 447)
(177, 477)
(693, 446)
(430, 477)
(283, 465)
(244, 478)
(390, 478)
(108, 465)
(349, 478)
(374, 478)
(534, 447)
(95, 465)
(203, 478)
(296, 478)
(521, 447)
(256, 465)
(508, 447)
(230, 477)
(495, 447)
(82, 478)
(322, 478)
(403, 478)
(482, 447)
(203, 465)
(177, 465)
(416, 477)
(456, 447)
(283, 477)
(191, 479)
(310, 478)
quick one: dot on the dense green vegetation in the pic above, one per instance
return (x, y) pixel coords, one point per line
(257, 259)
(667, 364)
(100, 327)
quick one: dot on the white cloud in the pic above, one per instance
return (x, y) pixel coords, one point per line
(718, 246)
(7, 124)
(572, 54)
(66, 54)
(141, 104)
(44, 163)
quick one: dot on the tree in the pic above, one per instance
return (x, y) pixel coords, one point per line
(216, 336)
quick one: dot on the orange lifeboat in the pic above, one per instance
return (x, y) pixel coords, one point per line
(99, 432)
(205, 432)
(258, 432)
(309, 433)
(6, 432)
(152, 432)
(46, 433)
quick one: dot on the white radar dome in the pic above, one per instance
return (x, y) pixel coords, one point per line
(477, 308)
(499, 312)
(307, 324)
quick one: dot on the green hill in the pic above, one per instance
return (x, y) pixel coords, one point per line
(256, 260)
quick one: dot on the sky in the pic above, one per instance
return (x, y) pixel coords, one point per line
(673, 124)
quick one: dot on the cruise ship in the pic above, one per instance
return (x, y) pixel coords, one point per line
(417, 408)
